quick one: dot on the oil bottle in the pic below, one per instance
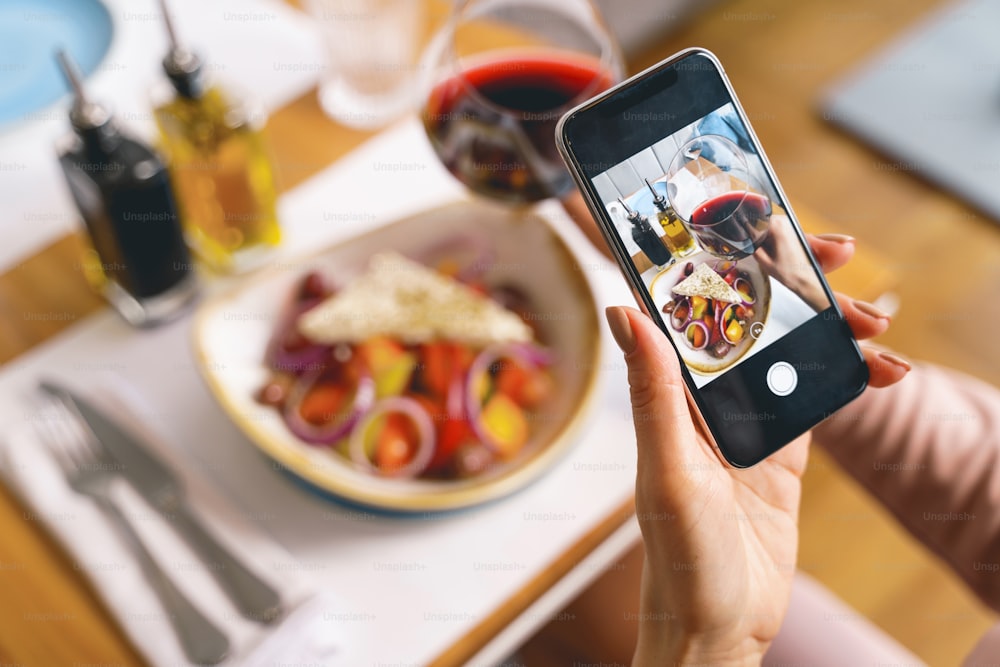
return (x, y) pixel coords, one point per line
(219, 165)
(675, 235)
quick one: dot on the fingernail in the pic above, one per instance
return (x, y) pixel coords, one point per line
(836, 238)
(869, 309)
(893, 359)
(621, 328)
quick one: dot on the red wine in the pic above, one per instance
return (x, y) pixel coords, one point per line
(493, 125)
(732, 224)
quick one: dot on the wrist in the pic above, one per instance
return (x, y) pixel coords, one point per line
(682, 650)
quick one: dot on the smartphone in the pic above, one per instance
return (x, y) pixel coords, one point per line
(692, 210)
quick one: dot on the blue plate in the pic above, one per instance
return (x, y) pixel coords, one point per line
(30, 33)
(642, 200)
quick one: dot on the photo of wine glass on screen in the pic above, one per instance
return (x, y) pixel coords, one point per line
(711, 189)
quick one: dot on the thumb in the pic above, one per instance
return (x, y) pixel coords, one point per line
(665, 433)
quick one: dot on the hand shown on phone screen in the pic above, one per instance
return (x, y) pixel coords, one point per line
(780, 256)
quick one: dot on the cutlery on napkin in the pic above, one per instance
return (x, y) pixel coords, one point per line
(165, 492)
(308, 633)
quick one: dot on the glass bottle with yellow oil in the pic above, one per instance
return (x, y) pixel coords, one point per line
(219, 165)
(676, 235)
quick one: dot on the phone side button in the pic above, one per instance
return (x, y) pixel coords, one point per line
(782, 378)
(640, 302)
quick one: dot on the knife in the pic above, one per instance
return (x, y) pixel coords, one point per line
(163, 490)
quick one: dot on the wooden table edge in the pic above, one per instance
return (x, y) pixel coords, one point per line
(520, 601)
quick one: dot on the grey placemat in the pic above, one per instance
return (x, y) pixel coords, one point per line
(931, 101)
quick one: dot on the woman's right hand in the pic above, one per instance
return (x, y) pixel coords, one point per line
(720, 543)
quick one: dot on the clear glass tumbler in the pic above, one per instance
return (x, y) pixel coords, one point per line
(372, 49)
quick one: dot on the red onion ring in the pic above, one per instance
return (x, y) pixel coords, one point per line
(425, 432)
(364, 397)
(534, 354)
(750, 291)
(525, 354)
(675, 321)
(701, 325)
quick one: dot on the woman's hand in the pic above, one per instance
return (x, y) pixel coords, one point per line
(720, 543)
(780, 256)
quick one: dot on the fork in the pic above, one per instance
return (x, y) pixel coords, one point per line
(91, 472)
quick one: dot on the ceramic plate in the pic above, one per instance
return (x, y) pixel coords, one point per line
(231, 333)
(30, 33)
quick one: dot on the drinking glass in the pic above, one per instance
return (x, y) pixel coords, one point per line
(500, 75)
(372, 48)
(710, 187)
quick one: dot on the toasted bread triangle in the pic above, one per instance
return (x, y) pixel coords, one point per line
(403, 299)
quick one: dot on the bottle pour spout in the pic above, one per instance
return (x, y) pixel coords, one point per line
(85, 115)
(182, 66)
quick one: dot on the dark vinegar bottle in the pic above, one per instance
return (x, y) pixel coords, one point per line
(644, 236)
(140, 262)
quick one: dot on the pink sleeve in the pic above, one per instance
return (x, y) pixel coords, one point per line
(820, 630)
(928, 449)
(986, 651)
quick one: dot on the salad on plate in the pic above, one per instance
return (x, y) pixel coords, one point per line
(409, 371)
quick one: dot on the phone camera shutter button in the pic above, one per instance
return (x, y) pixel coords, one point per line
(782, 378)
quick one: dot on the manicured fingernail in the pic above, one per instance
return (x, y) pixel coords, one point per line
(893, 359)
(869, 309)
(836, 238)
(621, 328)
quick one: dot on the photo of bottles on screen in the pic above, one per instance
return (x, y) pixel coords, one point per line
(707, 232)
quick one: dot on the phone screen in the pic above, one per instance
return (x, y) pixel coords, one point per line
(697, 218)
(707, 232)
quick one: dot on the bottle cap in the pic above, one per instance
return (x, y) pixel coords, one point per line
(658, 199)
(633, 216)
(183, 67)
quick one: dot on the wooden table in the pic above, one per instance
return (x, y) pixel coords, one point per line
(46, 294)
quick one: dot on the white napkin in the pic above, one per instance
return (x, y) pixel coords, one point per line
(308, 634)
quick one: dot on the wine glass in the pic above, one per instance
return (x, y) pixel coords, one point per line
(710, 187)
(502, 73)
